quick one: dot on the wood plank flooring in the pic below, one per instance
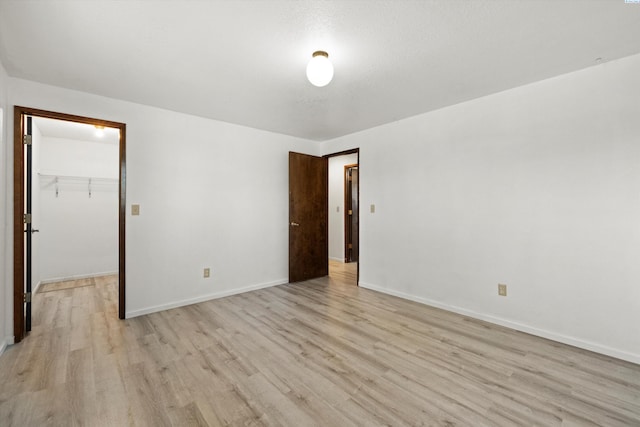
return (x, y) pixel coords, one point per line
(346, 273)
(67, 284)
(321, 353)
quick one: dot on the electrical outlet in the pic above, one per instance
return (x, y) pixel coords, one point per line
(502, 290)
(372, 208)
(135, 209)
(207, 272)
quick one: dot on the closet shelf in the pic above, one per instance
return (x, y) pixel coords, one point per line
(70, 180)
(77, 178)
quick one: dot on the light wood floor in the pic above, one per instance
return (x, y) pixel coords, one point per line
(346, 273)
(314, 353)
(67, 284)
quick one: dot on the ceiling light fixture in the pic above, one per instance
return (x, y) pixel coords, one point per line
(99, 131)
(320, 69)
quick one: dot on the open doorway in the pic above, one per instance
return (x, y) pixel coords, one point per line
(344, 216)
(351, 213)
(69, 205)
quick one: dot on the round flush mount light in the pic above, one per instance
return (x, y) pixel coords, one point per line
(320, 69)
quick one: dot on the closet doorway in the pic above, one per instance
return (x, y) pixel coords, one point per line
(69, 206)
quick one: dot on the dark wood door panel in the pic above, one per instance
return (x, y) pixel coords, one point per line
(308, 217)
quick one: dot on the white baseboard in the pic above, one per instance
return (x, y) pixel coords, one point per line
(576, 342)
(76, 277)
(207, 297)
(5, 342)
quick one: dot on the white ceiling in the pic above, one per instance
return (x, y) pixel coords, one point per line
(53, 128)
(244, 61)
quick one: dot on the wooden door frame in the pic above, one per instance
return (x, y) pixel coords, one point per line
(19, 199)
(346, 213)
(343, 153)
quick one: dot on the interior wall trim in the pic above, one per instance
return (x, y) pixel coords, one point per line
(203, 298)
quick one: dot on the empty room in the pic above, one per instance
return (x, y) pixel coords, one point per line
(320, 213)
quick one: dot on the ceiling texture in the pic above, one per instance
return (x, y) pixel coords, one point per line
(244, 62)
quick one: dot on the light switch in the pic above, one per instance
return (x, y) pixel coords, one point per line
(373, 208)
(135, 209)
(337, 208)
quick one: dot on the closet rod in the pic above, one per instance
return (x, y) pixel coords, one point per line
(78, 178)
(55, 180)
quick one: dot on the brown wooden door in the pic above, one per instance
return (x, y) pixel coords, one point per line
(308, 217)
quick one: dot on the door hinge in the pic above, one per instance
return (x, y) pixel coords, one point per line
(26, 297)
(26, 218)
(350, 212)
(27, 139)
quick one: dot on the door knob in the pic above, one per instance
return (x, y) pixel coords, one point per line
(295, 224)
(35, 231)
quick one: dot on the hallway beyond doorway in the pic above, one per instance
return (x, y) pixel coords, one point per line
(346, 273)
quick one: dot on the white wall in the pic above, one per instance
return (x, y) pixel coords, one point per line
(336, 204)
(6, 328)
(212, 195)
(78, 234)
(536, 187)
